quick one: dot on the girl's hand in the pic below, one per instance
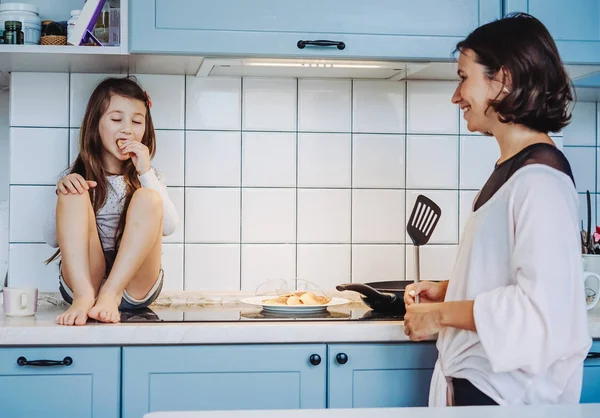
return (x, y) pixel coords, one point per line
(74, 184)
(139, 154)
(428, 292)
(422, 321)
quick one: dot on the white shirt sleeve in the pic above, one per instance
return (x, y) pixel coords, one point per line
(541, 318)
(153, 179)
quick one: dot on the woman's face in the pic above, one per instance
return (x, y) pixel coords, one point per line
(474, 92)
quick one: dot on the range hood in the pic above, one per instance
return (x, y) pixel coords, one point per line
(309, 68)
(324, 68)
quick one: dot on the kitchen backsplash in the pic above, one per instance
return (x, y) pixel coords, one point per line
(276, 178)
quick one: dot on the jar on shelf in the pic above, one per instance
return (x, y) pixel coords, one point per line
(13, 33)
(28, 15)
(101, 26)
(114, 22)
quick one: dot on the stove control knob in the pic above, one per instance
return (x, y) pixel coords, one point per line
(315, 359)
(341, 358)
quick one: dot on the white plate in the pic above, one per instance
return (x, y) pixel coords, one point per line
(258, 301)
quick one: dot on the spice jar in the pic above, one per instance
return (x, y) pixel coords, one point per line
(13, 35)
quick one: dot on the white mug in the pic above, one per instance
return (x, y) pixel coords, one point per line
(20, 301)
(591, 284)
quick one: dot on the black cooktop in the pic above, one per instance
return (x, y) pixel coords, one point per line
(240, 314)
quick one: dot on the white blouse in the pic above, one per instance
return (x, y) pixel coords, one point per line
(107, 218)
(520, 261)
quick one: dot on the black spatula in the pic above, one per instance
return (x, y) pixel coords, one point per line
(423, 220)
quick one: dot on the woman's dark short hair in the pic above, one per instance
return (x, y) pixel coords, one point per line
(541, 91)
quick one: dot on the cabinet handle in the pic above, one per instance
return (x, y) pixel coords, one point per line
(315, 359)
(340, 45)
(592, 355)
(22, 361)
(341, 358)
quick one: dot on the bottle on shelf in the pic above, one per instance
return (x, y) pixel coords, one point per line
(71, 22)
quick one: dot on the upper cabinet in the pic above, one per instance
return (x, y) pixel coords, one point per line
(375, 29)
(574, 25)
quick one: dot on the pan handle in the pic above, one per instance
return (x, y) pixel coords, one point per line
(367, 291)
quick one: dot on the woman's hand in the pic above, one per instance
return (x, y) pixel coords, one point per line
(422, 321)
(74, 184)
(428, 292)
(139, 153)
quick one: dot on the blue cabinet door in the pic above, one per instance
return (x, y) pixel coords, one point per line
(368, 29)
(574, 25)
(380, 375)
(86, 386)
(590, 392)
(223, 377)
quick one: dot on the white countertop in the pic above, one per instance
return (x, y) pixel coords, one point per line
(555, 411)
(42, 330)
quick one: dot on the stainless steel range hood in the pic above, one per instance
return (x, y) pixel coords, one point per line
(310, 68)
(320, 68)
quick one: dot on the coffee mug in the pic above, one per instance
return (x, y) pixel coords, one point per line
(20, 301)
(591, 284)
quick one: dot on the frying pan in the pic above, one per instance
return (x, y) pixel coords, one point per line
(381, 296)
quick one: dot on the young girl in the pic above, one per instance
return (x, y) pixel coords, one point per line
(512, 319)
(112, 210)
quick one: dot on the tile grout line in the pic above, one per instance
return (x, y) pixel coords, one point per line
(405, 175)
(351, 278)
(241, 173)
(183, 258)
(458, 204)
(296, 185)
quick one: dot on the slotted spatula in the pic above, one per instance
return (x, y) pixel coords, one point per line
(423, 219)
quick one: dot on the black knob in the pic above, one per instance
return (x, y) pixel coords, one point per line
(315, 359)
(341, 358)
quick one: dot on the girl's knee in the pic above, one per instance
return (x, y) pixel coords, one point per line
(148, 198)
(74, 198)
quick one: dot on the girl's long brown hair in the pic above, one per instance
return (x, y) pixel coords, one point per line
(89, 162)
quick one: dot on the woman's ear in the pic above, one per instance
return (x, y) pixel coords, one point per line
(506, 80)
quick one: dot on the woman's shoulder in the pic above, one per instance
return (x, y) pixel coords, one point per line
(543, 153)
(541, 181)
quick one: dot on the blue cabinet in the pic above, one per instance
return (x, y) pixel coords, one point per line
(62, 382)
(384, 29)
(223, 377)
(590, 392)
(574, 25)
(380, 375)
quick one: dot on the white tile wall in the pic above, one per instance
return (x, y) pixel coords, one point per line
(324, 105)
(278, 178)
(378, 161)
(269, 159)
(262, 262)
(269, 104)
(4, 181)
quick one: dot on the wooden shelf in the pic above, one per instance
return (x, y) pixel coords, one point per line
(61, 49)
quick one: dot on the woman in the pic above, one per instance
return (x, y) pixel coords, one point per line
(512, 321)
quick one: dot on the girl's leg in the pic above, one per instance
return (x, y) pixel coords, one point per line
(83, 264)
(138, 259)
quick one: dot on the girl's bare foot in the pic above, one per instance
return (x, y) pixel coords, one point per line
(77, 314)
(106, 308)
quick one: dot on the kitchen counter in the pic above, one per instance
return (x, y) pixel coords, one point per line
(42, 330)
(555, 411)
